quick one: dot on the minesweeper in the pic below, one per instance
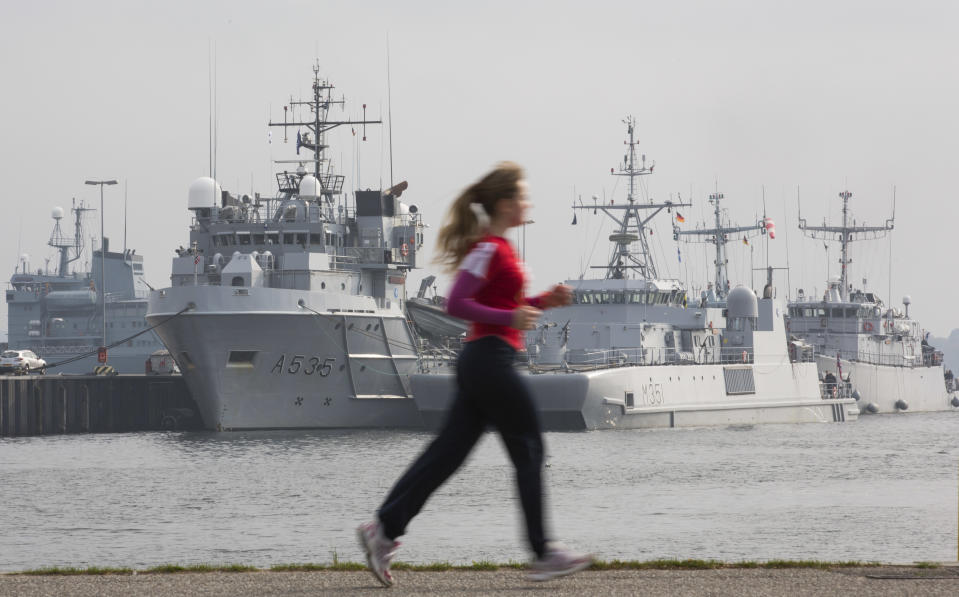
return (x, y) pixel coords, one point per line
(287, 312)
(633, 351)
(876, 352)
(58, 313)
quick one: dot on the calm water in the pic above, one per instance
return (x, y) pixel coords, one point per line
(884, 488)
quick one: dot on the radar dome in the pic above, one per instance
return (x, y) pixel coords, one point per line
(57, 213)
(309, 187)
(204, 194)
(742, 302)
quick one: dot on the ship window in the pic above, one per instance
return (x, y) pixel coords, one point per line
(809, 312)
(272, 238)
(315, 239)
(237, 281)
(241, 358)
(837, 312)
(821, 313)
(258, 239)
(301, 238)
(851, 312)
(289, 238)
(243, 238)
(618, 298)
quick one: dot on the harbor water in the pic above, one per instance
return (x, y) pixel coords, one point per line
(881, 489)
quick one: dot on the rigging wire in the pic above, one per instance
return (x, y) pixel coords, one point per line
(119, 342)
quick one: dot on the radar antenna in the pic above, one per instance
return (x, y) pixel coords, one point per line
(718, 236)
(314, 139)
(65, 244)
(845, 235)
(635, 216)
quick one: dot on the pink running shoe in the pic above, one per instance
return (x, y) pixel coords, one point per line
(379, 550)
(558, 560)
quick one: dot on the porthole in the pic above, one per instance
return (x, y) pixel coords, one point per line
(323, 285)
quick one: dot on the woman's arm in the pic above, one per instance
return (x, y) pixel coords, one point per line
(461, 303)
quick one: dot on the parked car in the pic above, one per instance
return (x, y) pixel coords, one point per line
(21, 362)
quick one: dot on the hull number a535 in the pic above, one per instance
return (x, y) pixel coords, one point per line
(304, 364)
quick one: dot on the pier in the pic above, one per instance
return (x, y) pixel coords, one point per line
(54, 404)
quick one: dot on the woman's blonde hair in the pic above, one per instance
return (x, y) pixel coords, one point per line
(461, 228)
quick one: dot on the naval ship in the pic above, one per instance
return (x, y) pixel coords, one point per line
(287, 312)
(634, 351)
(876, 351)
(58, 313)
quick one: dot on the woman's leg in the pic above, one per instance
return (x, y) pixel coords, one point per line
(463, 426)
(502, 396)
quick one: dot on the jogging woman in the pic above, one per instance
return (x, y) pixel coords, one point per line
(488, 292)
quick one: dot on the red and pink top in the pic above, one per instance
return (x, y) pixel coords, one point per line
(488, 287)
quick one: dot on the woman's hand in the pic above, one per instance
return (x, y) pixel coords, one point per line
(558, 296)
(525, 317)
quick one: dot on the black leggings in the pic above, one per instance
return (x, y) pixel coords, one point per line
(490, 392)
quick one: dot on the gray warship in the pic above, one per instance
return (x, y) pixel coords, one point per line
(57, 313)
(876, 351)
(633, 351)
(288, 312)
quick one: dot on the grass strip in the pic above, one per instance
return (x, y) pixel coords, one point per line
(482, 565)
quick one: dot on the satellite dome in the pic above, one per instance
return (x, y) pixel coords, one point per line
(57, 213)
(309, 187)
(204, 193)
(742, 302)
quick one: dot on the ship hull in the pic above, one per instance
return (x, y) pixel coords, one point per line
(885, 389)
(251, 364)
(640, 397)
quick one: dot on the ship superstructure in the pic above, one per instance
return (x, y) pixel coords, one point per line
(633, 351)
(291, 307)
(58, 313)
(876, 351)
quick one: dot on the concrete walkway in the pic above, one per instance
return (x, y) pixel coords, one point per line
(738, 582)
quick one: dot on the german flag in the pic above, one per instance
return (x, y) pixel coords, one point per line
(679, 217)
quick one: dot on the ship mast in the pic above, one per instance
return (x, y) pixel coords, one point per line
(718, 236)
(63, 243)
(319, 126)
(846, 234)
(635, 217)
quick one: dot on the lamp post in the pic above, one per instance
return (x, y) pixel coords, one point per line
(525, 222)
(103, 250)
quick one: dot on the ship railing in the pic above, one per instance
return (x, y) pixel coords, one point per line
(63, 349)
(875, 358)
(830, 390)
(621, 357)
(433, 360)
(372, 255)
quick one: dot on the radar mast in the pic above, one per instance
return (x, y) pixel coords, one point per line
(845, 235)
(635, 216)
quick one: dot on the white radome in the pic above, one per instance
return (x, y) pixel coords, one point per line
(204, 193)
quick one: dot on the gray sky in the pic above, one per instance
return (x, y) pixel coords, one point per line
(818, 96)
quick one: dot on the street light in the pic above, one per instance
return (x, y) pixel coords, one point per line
(103, 250)
(525, 222)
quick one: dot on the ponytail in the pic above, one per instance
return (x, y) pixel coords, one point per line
(462, 228)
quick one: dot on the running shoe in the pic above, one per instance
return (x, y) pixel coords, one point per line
(558, 560)
(379, 550)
